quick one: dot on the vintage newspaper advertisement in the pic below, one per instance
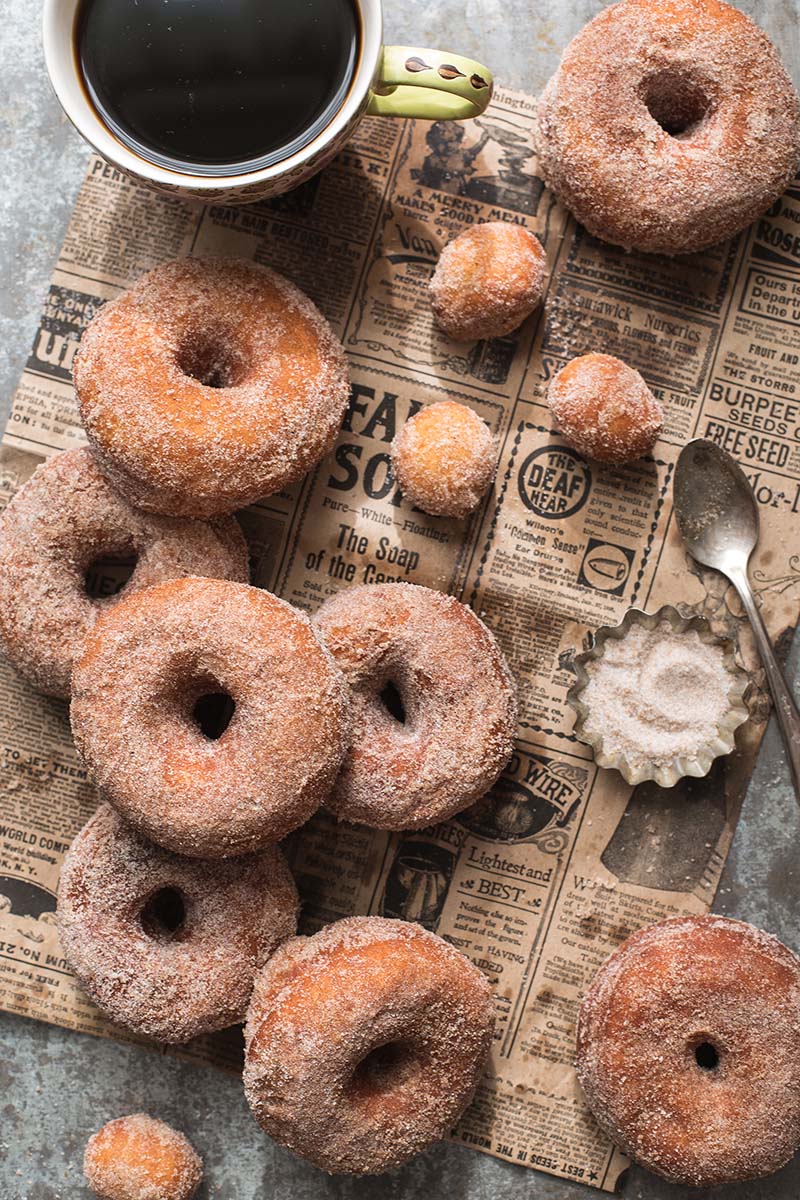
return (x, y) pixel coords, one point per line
(539, 881)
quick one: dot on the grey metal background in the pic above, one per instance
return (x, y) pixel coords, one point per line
(57, 1087)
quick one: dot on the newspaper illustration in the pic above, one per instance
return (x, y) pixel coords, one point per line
(541, 879)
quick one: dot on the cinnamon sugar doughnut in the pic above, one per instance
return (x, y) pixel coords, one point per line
(689, 1050)
(209, 384)
(669, 125)
(453, 732)
(146, 665)
(140, 1158)
(444, 459)
(488, 280)
(61, 521)
(364, 1043)
(604, 409)
(168, 946)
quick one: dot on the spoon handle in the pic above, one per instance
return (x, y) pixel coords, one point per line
(785, 707)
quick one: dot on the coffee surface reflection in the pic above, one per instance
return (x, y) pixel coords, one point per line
(217, 85)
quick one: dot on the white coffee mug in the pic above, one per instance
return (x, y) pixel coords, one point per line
(396, 81)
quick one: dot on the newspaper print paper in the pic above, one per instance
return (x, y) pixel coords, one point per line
(539, 881)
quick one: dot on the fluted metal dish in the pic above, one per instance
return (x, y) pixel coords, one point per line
(664, 774)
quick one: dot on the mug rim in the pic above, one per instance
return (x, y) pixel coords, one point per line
(64, 73)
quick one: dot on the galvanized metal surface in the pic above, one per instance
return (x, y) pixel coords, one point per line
(57, 1087)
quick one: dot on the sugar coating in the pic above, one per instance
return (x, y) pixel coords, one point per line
(445, 458)
(488, 280)
(457, 691)
(673, 986)
(169, 987)
(62, 520)
(323, 1005)
(657, 694)
(605, 409)
(209, 384)
(698, 67)
(141, 1158)
(147, 662)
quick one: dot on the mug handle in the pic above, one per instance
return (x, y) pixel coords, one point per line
(432, 84)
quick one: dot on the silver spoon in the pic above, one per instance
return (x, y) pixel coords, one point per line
(717, 516)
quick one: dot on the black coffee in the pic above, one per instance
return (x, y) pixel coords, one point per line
(226, 86)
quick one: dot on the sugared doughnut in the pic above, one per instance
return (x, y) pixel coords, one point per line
(689, 1050)
(146, 667)
(62, 520)
(669, 125)
(364, 1043)
(210, 383)
(444, 459)
(604, 409)
(433, 701)
(140, 1158)
(169, 946)
(488, 280)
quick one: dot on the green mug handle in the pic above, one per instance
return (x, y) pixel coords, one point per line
(432, 84)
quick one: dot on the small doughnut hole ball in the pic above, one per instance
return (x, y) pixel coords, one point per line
(487, 281)
(140, 1158)
(444, 459)
(604, 409)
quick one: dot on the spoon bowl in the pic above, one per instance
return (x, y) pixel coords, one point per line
(715, 507)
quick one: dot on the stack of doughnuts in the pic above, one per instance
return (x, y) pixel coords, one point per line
(215, 719)
(175, 896)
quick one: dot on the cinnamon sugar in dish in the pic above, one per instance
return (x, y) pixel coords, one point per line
(659, 697)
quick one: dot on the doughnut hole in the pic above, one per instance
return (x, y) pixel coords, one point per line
(677, 101)
(386, 1073)
(201, 697)
(489, 279)
(604, 409)
(163, 917)
(138, 1157)
(212, 713)
(444, 459)
(391, 698)
(213, 358)
(704, 1052)
(108, 573)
